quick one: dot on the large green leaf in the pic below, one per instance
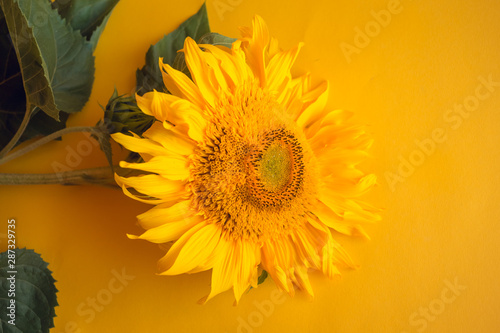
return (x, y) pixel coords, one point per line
(149, 77)
(53, 64)
(87, 16)
(13, 101)
(41, 125)
(21, 41)
(35, 292)
(67, 56)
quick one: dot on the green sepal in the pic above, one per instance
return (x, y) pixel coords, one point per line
(123, 115)
(262, 277)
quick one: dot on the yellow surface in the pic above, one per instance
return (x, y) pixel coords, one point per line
(440, 225)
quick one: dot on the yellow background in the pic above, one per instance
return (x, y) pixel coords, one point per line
(440, 224)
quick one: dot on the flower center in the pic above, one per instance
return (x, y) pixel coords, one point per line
(252, 191)
(252, 175)
(275, 167)
(275, 170)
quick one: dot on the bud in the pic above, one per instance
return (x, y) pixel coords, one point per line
(123, 115)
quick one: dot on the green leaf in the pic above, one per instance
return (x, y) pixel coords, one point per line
(214, 38)
(41, 125)
(67, 60)
(149, 77)
(35, 292)
(67, 56)
(96, 34)
(54, 61)
(26, 319)
(87, 16)
(262, 277)
(13, 101)
(22, 43)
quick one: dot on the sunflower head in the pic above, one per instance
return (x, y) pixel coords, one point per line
(247, 169)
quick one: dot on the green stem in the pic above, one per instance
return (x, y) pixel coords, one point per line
(45, 140)
(19, 132)
(93, 176)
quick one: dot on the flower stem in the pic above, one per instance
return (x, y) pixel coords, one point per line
(92, 176)
(45, 140)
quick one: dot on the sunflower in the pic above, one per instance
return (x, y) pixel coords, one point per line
(247, 169)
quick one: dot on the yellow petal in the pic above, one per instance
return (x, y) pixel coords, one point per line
(237, 268)
(217, 78)
(175, 110)
(337, 118)
(341, 156)
(276, 260)
(191, 250)
(139, 145)
(240, 59)
(343, 172)
(231, 76)
(340, 136)
(292, 96)
(171, 140)
(342, 206)
(156, 104)
(273, 48)
(169, 82)
(316, 108)
(219, 252)
(307, 242)
(173, 167)
(335, 254)
(247, 267)
(193, 119)
(278, 69)
(332, 219)
(359, 211)
(199, 70)
(169, 231)
(303, 280)
(165, 213)
(181, 83)
(153, 185)
(255, 48)
(351, 189)
(141, 198)
(224, 270)
(246, 32)
(232, 65)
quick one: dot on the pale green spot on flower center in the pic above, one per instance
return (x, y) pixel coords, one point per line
(275, 166)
